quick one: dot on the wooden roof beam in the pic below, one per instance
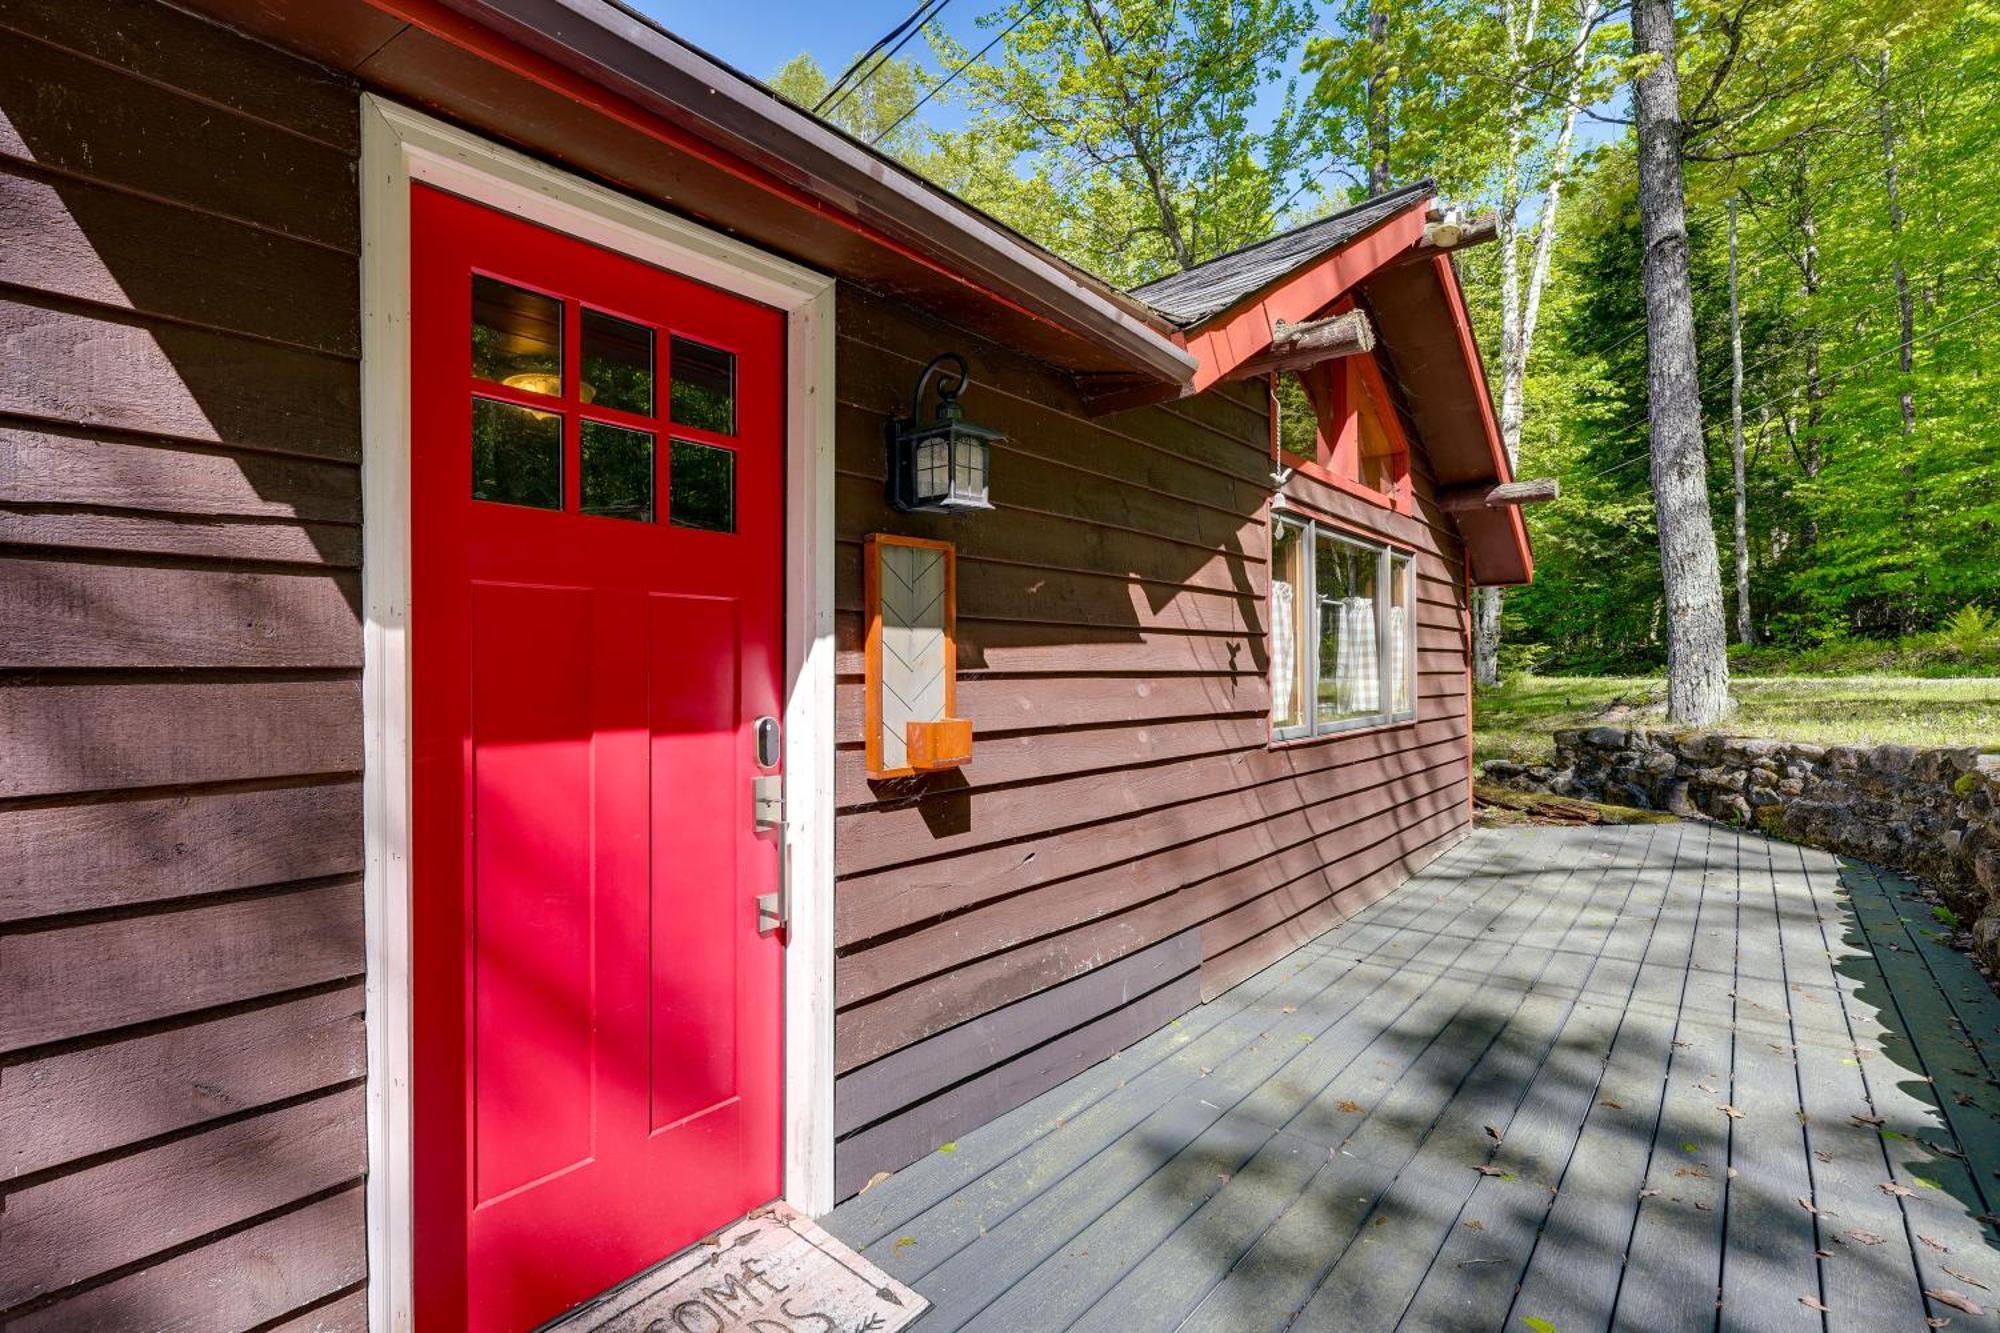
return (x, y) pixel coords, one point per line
(1296, 346)
(1461, 499)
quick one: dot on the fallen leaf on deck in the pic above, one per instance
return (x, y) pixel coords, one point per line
(1289, 1009)
(1962, 1098)
(1822, 1154)
(1538, 1325)
(1814, 1303)
(1822, 1254)
(1939, 1246)
(1870, 1120)
(1615, 1106)
(1493, 1133)
(1705, 1207)
(875, 1180)
(1938, 1321)
(1860, 1237)
(1891, 1187)
(1488, 1169)
(1968, 1279)
(1957, 1300)
(1807, 1204)
(903, 1241)
(1474, 1224)
(1206, 1071)
(948, 1147)
(1647, 1194)
(1352, 1108)
(1730, 1111)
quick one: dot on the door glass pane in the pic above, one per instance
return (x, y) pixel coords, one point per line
(516, 336)
(516, 455)
(617, 363)
(1349, 668)
(704, 386)
(1402, 654)
(617, 472)
(701, 487)
(1289, 632)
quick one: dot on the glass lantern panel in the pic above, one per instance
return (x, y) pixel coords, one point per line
(969, 475)
(933, 470)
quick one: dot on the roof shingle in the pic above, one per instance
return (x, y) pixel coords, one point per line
(1189, 297)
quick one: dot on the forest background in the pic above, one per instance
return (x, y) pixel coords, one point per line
(1841, 160)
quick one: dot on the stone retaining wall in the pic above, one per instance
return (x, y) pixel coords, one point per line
(1933, 813)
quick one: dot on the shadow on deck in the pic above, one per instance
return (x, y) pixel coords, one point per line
(1658, 1078)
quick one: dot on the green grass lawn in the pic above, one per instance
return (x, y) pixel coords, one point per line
(1515, 720)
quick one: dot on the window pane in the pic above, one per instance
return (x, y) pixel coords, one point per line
(617, 363)
(516, 455)
(1290, 636)
(617, 472)
(516, 336)
(1298, 423)
(704, 386)
(1349, 668)
(1402, 653)
(702, 487)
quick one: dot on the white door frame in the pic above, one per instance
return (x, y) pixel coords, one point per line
(399, 146)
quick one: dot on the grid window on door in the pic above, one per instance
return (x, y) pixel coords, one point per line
(1343, 631)
(568, 410)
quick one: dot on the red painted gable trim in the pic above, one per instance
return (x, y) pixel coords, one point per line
(1228, 340)
(1468, 346)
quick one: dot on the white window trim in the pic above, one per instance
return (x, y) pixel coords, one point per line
(399, 146)
(1307, 652)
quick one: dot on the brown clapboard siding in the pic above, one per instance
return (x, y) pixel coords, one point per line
(1123, 796)
(182, 1131)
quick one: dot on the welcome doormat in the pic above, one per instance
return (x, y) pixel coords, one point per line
(772, 1272)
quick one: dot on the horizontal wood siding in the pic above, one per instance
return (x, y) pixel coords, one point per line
(1124, 815)
(182, 1134)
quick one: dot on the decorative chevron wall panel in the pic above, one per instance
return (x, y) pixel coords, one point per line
(910, 649)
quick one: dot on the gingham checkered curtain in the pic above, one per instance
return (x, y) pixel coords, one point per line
(1399, 661)
(1357, 687)
(1284, 650)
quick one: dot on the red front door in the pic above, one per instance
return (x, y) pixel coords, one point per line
(597, 522)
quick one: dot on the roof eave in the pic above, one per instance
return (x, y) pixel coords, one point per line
(626, 55)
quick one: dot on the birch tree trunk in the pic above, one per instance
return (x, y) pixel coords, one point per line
(1746, 629)
(1697, 634)
(1520, 313)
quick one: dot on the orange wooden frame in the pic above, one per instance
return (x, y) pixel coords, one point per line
(871, 576)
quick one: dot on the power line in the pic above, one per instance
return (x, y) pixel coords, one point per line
(918, 16)
(893, 52)
(946, 82)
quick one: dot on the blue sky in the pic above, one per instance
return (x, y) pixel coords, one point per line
(757, 36)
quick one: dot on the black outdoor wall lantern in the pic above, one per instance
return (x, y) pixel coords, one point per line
(940, 465)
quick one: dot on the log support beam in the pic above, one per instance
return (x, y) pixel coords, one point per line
(1296, 346)
(1464, 499)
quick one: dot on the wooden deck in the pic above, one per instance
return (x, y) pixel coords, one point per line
(1660, 1078)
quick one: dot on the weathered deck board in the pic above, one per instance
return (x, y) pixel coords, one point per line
(1300, 1153)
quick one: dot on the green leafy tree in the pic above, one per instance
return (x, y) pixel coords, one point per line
(1139, 121)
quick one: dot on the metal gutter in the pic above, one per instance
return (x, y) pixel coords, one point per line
(626, 54)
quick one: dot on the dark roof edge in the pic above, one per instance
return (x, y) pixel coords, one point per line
(631, 56)
(1424, 186)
